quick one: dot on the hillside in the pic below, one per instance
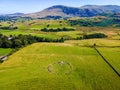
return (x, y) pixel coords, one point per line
(60, 66)
(13, 14)
(84, 11)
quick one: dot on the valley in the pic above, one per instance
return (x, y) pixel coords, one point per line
(63, 50)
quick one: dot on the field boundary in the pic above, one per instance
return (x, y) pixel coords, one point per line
(107, 62)
(109, 46)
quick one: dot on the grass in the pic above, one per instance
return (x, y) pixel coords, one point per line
(34, 27)
(98, 42)
(27, 32)
(71, 34)
(39, 24)
(116, 37)
(27, 69)
(113, 56)
(4, 51)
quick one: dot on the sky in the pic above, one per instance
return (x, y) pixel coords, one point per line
(29, 6)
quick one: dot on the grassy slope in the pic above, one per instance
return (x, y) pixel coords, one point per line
(71, 34)
(99, 42)
(112, 55)
(34, 27)
(27, 69)
(39, 24)
(111, 51)
(27, 32)
(4, 51)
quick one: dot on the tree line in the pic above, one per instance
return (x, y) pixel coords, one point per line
(93, 22)
(57, 29)
(94, 35)
(22, 40)
(19, 41)
(8, 27)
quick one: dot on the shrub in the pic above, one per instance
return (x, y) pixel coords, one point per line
(8, 28)
(57, 29)
(6, 44)
(95, 35)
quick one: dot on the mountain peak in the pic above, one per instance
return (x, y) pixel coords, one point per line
(56, 6)
(60, 7)
(84, 11)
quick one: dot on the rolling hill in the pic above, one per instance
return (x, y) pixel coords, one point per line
(60, 66)
(84, 11)
(13, 14)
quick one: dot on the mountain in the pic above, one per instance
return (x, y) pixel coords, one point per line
(14, 14)
(84, 11)
(57, 10)
(93, 10)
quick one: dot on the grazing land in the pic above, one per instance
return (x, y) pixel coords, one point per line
(72, 64)
(112, 55)
(29, 68)
(4, 51)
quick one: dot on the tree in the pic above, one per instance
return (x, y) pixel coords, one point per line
(6, 44)
(48, 25)
(17, 43)
(0, 42)
(94, 35)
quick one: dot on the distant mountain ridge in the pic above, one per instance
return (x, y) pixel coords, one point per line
(14, 14)
(84, 11)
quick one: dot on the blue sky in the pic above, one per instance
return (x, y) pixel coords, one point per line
(28, 6)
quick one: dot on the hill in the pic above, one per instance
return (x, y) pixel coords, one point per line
(84, 11)
(59, 66)
(13, 14)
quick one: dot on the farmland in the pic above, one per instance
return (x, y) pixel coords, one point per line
(70, 65)
(28, 69)
(34, 27)
(114, 58)
(5, 51)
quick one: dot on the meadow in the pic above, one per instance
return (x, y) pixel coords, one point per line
(28, 69)
(4, 51)
(34, 27)
(99, 42)
(71, 65)
(112, 55)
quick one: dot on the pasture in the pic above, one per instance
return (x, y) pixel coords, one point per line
(4, 51)
(34, 27)
(98, 42)
(72, 65)
(45, 68)
(112, 55)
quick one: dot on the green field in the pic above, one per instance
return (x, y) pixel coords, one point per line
(72, 65)
(112, 55)
(4, 51)
(98, 42)
(34, 27)
(58, 66)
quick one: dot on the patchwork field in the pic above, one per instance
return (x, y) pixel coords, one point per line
(34, 27)
(60, 66)
(72, 65)
(60, 47)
